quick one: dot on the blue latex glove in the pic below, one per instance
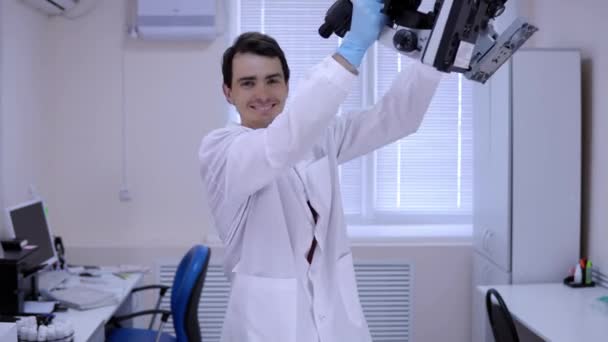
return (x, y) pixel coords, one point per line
(366, 24)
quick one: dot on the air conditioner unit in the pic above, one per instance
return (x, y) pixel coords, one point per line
(175, 20)
(52, 7)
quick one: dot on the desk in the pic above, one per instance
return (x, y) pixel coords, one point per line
(8, 332)
(555, 312)
(89, 325)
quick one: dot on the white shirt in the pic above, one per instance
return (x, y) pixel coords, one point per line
(258, 203)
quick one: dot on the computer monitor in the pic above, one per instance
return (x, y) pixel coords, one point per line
(28, 221)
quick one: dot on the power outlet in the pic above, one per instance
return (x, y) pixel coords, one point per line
(124, 195)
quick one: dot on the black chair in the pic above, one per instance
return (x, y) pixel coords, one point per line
(501, 321)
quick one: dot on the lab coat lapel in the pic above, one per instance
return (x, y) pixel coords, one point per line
(319, 178)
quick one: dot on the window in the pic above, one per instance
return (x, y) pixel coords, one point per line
(424, 178)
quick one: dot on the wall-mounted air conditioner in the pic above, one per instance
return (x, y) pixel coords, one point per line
(52, 7)
(175, 20)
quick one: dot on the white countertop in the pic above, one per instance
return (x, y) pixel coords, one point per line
(556, 312)
(86, 322)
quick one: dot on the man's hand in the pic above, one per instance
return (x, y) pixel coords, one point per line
(366, 24)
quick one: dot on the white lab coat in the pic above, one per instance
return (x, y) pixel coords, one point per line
(258, 183)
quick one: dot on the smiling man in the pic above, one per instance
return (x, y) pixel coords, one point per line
(272, 183)
(256, 79)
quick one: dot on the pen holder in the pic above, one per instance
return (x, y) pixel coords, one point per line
(569, 281)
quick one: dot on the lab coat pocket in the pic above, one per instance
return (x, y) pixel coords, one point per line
(261, 309)
(348, 289)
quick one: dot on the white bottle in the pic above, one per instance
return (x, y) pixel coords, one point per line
(51, 333)
(578, 274)
(32, 334)
(42, 333)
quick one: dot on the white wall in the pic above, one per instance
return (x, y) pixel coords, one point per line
(23, 135)
(581, 24)
(172, 98)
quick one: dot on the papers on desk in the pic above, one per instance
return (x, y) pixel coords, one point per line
(33, 307)
(123, 269)
(82, 297)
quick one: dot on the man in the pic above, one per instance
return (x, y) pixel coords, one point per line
(273, 188)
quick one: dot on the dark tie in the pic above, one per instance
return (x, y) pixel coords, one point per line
(311, 252)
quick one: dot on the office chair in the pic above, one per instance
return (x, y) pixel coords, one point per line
(185, 297)
(503, 327)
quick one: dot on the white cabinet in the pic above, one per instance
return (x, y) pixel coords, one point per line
(546, 164)
(492, 168)
(527, 171)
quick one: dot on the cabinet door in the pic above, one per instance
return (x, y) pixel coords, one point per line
(492, 168)
(546, 164)
(485, 272)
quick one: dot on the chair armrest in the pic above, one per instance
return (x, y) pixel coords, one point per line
(163, 288)
(117, 319)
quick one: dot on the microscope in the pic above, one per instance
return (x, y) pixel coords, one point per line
(455, 36)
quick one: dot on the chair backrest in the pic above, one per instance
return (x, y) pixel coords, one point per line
(186, 293)
(501, 321)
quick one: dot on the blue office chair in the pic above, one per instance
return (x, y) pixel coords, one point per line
(185, 297)
(501, 321)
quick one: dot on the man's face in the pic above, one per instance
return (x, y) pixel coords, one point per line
(258, 89)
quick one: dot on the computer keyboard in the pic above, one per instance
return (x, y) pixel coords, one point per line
(52, 279)
(81, 297)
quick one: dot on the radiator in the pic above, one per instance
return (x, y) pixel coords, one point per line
(385, 291)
